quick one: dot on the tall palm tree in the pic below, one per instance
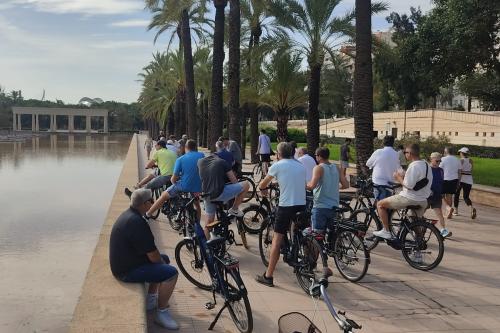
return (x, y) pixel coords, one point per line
(363, 85)
(284, 88)
(203, 75)
(234, 70)
(216, 100)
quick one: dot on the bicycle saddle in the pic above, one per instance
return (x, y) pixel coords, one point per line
(413, 207)
(213, 224)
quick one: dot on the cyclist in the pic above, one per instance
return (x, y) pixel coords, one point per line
(223, 153)
(291, 177)
(264, 150)
(234, 148)
(307, 161)
(171, 146)
(185, 178)
(325, 186)
(416, 183)
(213, 172)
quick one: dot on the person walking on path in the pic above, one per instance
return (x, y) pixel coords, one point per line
(291, 177)
(465, 182)
(325, 186)
(435, 200)
(451, 166)
(148, 145)
(345, 155)
(384, 162)
(264, 150)
(307, 161)
(134, 258)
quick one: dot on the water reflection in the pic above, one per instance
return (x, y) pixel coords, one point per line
(55, 192)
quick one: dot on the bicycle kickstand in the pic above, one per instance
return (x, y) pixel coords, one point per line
(211, 327)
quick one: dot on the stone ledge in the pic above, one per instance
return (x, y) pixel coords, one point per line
(105, 304)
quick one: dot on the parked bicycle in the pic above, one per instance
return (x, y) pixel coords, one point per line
(212, 268)
(257, 174)
(255, 214)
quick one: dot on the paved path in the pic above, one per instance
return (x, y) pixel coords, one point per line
(461, 295)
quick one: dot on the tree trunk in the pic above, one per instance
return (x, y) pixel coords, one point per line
(216, 102)
(244, 115)
(254, 132)
(363, 86)
(469, 103)
(282, 126)
(189, 71)
(171, 122)
(201, 126)
(234, 129)
(313, 112)
(205, 137)
(178, 114)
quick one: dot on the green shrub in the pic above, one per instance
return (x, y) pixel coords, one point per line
(297, 135)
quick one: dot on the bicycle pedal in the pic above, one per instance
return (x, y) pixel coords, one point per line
(209, 305)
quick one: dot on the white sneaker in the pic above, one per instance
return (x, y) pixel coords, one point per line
(151, 302)
(164, 319)
(383, 234)
(235, 212)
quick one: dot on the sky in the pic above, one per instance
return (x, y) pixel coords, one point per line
(92, 48)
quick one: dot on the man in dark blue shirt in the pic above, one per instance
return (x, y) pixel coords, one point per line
(223, 153)
(133, 257)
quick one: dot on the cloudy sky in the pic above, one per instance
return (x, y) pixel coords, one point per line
(94, 48)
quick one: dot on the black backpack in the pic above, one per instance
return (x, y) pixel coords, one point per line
(424, 181)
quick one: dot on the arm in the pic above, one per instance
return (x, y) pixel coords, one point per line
(343, 181)
(174, 179)
(150, 164)
(154, 257)
(317, 174)
(265, 183)
(232, 178)
(371, 161)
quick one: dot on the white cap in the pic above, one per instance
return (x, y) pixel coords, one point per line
(170, 142)
(464, 150)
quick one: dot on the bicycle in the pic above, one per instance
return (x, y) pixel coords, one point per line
(296, 322)
(299, 251)
(252, 192)
(254, 215)
(257, 174)
(220, 272)
(177, 211)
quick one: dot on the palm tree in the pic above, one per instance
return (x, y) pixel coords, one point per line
(234, 70)
(203, 74)
(216, 101)
(284, 88)
(363, 85)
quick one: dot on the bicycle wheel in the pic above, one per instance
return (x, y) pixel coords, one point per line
(252, 191)
(253, 217)
(242, 232)
(257, 173)
(312, 263)
(239, 305)
(265, 241)
(190, 262)
(422, 245)
(373, 224)
(351, 256)
(156, 195)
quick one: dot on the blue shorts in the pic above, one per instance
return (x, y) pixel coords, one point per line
(320, 218)
(380, 192)
(158, 182)
(230, 191)
(152, 273)
(174, 189)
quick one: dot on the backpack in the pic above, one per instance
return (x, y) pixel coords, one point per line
(424, 181)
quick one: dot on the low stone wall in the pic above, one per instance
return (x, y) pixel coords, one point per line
(485, 195)
(105, 304)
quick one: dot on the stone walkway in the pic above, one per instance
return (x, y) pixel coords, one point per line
(461, 295)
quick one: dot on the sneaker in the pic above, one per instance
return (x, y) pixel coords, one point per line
(263, 279)
(450, 213)
(445, 233)
(151, 302)
(473, 213)
(128, 192)
(164, 319)
(235, 212)
(383, 234)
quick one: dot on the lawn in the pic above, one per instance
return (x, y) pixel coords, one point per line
(485, 169)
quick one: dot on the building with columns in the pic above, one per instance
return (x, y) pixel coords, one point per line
(61, 120)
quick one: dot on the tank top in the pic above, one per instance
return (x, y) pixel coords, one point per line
(326, 193)
(466, 171)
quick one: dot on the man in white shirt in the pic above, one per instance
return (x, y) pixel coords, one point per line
(411, 195)
(170, 146)
(452, 171)
(307, 161)
(264, 150)
(384, 162)
(291, 177)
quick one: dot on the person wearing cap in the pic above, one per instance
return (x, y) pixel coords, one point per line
(465, 182)
(451, 167)
(134, 258)
(435, 200)
(170, 146)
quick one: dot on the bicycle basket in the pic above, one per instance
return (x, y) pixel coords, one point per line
(295, 322)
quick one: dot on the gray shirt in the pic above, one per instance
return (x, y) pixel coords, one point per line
(234, 148)
(213, 171)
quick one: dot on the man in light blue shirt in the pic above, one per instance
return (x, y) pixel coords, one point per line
(264, 150)
(291, 177)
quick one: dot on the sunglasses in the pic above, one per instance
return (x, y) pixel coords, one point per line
(151, 201)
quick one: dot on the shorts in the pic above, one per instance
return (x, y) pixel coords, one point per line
(230, 191)
(265, 157)
(380, 192)
(320, 218)
(399, 202)
(450, 186)
(174, 189)
(284, 217)
(158, 182)
(344, 164)
(152, 273)
(435, 201)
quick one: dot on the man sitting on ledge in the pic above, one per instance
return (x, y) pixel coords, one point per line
(134, 257)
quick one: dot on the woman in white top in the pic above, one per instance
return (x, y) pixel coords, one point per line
(465, 182)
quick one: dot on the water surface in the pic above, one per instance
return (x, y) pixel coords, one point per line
(54, 195)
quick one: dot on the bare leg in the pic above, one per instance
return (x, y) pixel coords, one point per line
(274, 255)
(239, 198)
(382, 213)
(158, 203)
(439, 214)
(165, 292)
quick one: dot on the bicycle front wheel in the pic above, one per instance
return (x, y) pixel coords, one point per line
(257, 173)
(422, 245)
(265, 241)
(253, 217)
(351, 256)
(372, 223)
(192, 265)
(252, 191)
(239, 305)
(156, 194)
(312, 263)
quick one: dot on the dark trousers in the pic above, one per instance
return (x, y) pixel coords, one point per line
(466, 188)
